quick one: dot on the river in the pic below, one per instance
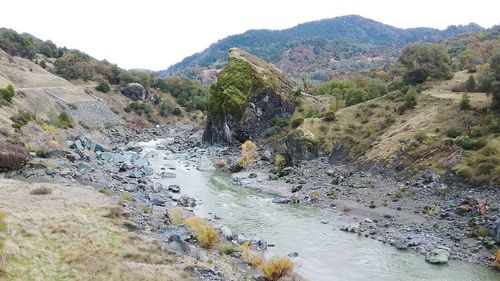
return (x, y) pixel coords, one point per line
(325, 253)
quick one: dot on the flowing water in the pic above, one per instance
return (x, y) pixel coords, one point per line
(325, 253)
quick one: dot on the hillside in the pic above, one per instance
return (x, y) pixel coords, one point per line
(317, 50)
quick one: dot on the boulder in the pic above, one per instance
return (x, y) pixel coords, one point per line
(496, 230)
(72, 157)
(281, 200)
(175, 188)
(133, 146)
(176, 244)
(430, 176)
(135, 91)
(13, 155)
(54, 153)
(438, 255)
(247, 100)
(186, 201)
(352, 227)
(296, 188)
(180, 230)
(226, 233)
(302, 145)
(76, 145)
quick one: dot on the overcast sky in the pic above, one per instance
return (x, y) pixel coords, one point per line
(154, 34)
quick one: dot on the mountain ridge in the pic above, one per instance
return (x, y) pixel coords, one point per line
(325, 38)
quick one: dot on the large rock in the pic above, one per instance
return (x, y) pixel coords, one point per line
(438, 256)
(302, 145)
(248, 98)
(496, 229)
(13, 155)
(135, 91)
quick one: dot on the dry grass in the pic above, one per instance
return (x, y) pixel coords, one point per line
(277, 267)
(206, 235)
(42, 190)
(279, 161)
(177, 215)
(127, 196)
(496, 264)
(67, 236)
(252, 258)
(248, 154)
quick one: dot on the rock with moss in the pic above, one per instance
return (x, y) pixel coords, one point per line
(247, 99)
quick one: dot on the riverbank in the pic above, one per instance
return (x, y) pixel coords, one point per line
(421, 214)
(415, 215)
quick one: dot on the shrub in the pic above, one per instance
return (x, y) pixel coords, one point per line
(228, 249)
(279, 161)
(176, 215)
(330, 116)
(206, 234)
(7, 93)
(177, 111)
(43, 190)
(464, 101)
(127, 196)
(470, 85)
(221, 164)
(103, 86)
(453, 133)
(313, 113)
(3, 225)
(248, 154)
(22, 118)
(282, 122)
(50, 129)
(314, 195)
(64, 120)
(410, 100)
(421, 136)
(276, 268)
(468, 143)
(296, 122)
(252, 258)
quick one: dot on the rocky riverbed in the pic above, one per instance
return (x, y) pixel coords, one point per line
(425, 214)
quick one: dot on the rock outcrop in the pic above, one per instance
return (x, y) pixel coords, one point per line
(13, 155)
(248, 98)
(135, 91)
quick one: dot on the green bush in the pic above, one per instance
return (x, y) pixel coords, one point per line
(7, 93)
(313, 113)
(453, 133)
(470, 85)
(469, 143)
(282, 122)
(330, 116)
(177, 111)
(296, 122)
(64, 120)
(464, 101)
(410, 100)
(103, 86)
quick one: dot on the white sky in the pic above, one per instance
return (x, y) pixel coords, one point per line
(154, 34)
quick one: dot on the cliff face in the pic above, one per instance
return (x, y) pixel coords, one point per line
(247, 99)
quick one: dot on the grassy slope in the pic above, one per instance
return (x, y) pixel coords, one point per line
(375, 131)
(70, 235)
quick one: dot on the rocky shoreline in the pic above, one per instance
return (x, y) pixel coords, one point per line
(424, 214)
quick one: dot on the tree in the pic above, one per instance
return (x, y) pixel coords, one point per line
(470, 86)
(423, 61)
(103, 86)
(465, 101)
(7, 93)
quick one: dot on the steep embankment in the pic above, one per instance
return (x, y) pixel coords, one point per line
(249, 98)
(434, 133)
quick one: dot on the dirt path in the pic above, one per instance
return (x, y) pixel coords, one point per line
(443, 91)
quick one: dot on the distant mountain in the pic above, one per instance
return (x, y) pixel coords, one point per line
(317, 50)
